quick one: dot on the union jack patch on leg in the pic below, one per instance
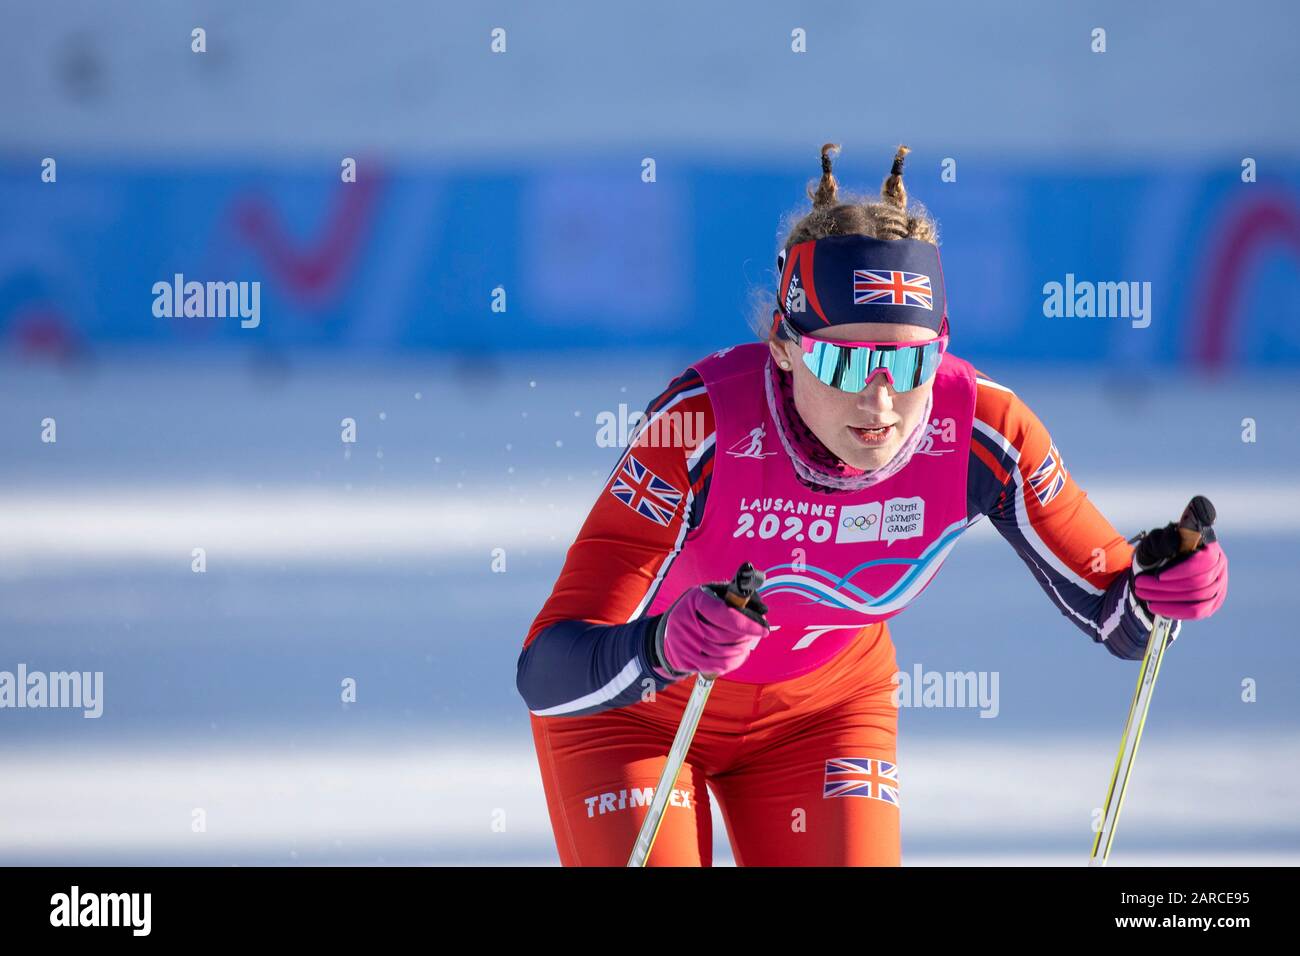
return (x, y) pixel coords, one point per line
(861, 777)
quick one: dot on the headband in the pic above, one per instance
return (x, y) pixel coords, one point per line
(837, 280)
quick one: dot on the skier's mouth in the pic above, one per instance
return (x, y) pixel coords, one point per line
(872, 437)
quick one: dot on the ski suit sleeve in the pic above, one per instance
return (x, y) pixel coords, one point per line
(1018, 478)
(589, 649)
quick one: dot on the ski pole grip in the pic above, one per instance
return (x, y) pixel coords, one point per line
(1171, 543)
(1196, 525)
(743, 587)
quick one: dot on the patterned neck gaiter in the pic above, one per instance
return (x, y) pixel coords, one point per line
(815, 465)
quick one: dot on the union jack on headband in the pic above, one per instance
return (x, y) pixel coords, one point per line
(1049, 478)
(645, 492)
(892, 288)
(861, 777)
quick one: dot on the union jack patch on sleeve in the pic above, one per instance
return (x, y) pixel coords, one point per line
(1049, 478)
(645, 492)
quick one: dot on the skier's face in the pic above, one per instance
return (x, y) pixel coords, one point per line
(835, 416)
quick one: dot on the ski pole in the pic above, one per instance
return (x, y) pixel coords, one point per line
(1194, 527)
(739, 591)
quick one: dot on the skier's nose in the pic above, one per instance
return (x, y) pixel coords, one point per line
(877, 393)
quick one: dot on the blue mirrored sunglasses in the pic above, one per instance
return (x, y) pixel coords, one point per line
(848, 366)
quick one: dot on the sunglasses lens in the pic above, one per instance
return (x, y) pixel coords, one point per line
(849, 368)
(905, 367)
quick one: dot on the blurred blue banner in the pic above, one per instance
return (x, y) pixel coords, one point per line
(406, 259)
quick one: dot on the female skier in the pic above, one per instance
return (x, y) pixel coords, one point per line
(843, 457)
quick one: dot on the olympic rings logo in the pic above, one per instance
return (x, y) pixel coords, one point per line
(858, 521)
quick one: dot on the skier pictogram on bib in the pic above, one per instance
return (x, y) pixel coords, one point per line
(751, 446)
(942, 429)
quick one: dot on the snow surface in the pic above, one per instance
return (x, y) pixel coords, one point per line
(327, 561)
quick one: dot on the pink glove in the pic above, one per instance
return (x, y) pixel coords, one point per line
(702, 633)
(1191, 589)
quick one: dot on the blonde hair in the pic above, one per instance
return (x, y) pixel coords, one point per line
(835, 213)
